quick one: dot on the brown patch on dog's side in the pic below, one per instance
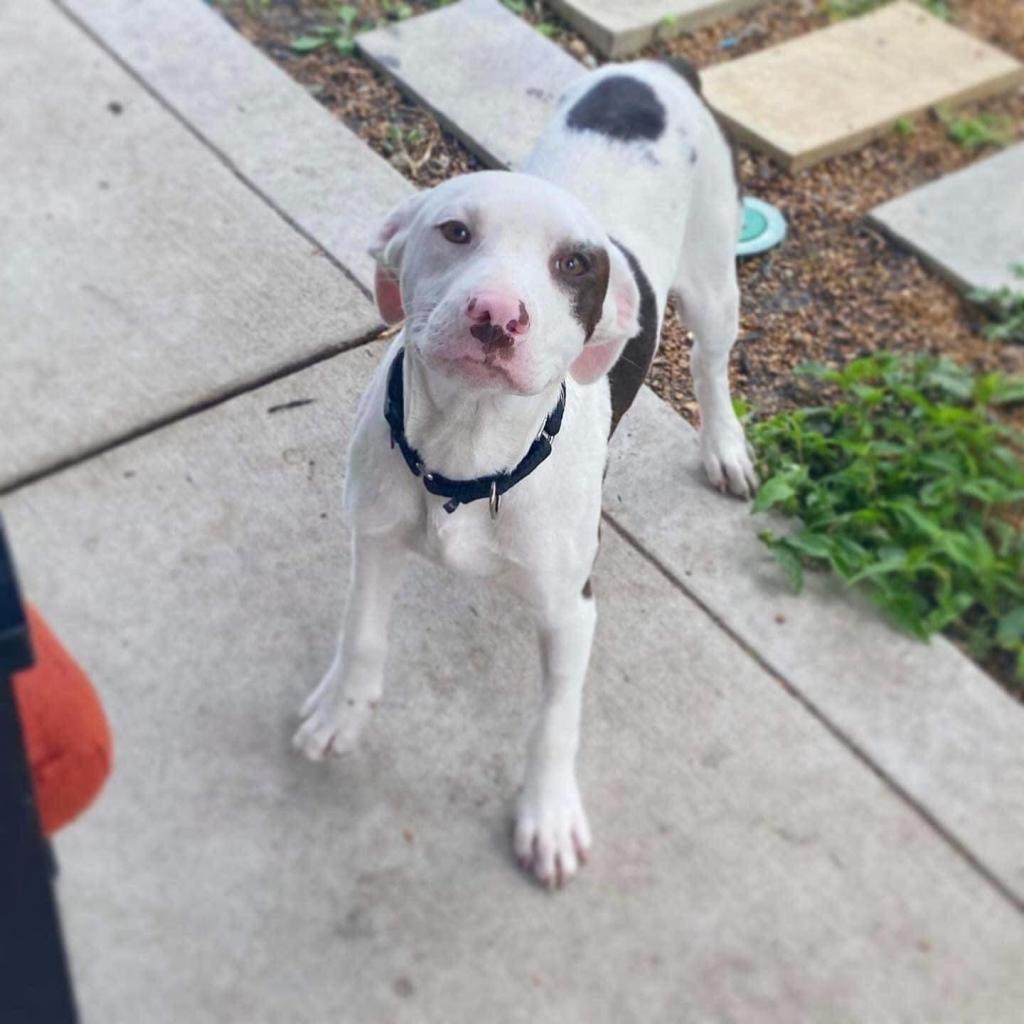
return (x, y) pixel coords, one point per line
(627, 375)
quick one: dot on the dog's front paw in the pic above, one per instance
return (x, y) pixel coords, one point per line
(728, 460)
(332, 723)
(552, 838)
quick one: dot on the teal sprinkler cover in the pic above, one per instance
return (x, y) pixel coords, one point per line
(763, 227)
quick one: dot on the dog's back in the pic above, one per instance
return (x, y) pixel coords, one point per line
(638, 145)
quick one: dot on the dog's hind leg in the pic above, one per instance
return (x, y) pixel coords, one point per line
(336, 711)
(709, 296)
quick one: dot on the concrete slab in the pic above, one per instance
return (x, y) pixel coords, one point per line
(747, 866)
(931, 721)
(830, 91)
(309, 165)
(967, 226)
(497, 105)
(618, 30)
(138, 276)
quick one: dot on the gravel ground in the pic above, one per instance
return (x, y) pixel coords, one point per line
(835, 289)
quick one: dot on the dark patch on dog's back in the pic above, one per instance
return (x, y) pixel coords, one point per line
(627, 375)
(620, 107)
(691, 76)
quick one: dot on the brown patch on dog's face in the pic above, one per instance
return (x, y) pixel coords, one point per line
(582, 272)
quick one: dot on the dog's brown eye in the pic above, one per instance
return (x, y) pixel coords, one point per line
(574, 265)
(455, 232)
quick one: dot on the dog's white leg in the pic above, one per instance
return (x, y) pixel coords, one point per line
(707, 289)
(336, 711)
(552, 837)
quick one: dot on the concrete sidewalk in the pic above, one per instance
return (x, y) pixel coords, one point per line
(752, 862)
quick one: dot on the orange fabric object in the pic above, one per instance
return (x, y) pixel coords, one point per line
(67, 738)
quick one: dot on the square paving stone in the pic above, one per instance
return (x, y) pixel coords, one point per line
(968, 226)
(139, 277)
(617, 29)
(488, 76)
(830, 91)
(747, 867)
(289, 147)
(926, 716)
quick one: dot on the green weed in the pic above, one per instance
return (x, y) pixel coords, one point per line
(940, 8)
(975, 132)
(340, 33)
(838, 10)
(910, 486)
(1005, 306)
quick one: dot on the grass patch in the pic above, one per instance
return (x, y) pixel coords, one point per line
(1005, 307)
(910, 486)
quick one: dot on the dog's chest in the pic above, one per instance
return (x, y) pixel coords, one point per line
(466, 540)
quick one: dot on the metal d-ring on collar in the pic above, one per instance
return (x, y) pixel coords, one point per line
(462, 492)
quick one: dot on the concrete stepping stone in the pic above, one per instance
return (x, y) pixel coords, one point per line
(509, 77)
(617, 30)
(930, 720)
(747, 866)
(138, 276)
(322, 177)
(967, 226)
(830, 91)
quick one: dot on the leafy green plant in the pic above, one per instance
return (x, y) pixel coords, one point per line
(912, 487)
(340, 34)
(547, 28)
(1006, 308)
(975, 132)
(905, 127)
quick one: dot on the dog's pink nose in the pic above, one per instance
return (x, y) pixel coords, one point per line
(500, 310)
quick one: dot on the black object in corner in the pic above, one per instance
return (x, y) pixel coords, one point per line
(35, 987)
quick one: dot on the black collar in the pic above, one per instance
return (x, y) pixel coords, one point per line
(462, 492)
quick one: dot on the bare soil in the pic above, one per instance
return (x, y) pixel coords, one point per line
(835, 289)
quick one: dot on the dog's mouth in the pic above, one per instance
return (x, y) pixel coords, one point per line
(479, 372)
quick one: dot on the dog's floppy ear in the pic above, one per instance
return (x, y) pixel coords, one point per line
(387, 249)
(620, 321)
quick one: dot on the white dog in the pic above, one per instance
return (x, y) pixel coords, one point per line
(532, 305)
